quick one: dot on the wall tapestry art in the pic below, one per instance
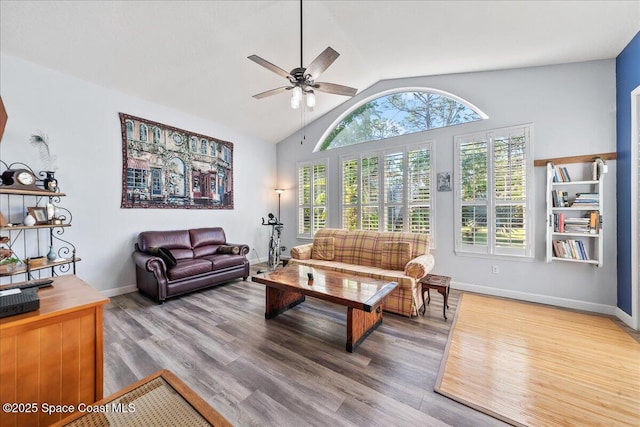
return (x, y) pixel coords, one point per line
(167, 167)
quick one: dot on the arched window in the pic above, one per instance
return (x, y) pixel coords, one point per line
(212, 148)
(203, 146)
(129, 126)
(398, 113)
(156, 135)
(143, 132)
(194, 144)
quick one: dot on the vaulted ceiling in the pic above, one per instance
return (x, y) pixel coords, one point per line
(192, 55)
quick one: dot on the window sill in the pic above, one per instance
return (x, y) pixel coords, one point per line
(521, 258)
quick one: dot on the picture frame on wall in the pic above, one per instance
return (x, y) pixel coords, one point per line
(168, 167)
(444, 181)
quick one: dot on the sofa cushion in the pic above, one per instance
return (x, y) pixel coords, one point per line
(205, 241)
(189, 267)
(177, 241)
(165, 254)
(222, 261)
(395, 255)
(323, 248)
(226, 249)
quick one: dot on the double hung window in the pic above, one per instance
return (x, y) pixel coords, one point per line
(312, 197)
(389, 191)
(493, 192)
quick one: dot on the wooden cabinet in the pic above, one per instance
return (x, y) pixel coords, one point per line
(30, 242)
(54, 355)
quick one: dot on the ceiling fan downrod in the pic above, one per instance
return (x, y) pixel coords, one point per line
(301, 34)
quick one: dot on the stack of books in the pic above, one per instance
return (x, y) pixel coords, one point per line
(586, 201)
(576, 225)
(588, 224)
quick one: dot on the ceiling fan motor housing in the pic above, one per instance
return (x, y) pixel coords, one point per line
(299, 76)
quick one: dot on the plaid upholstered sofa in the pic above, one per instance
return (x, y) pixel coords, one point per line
(392, 256)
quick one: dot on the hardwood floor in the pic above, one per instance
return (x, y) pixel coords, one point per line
(544, 365)
(289, 371)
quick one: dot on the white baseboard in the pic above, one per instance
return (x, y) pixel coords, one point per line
(119, 291)
(542, 299)
(623, 316)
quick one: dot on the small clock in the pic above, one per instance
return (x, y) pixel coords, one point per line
(19, 178)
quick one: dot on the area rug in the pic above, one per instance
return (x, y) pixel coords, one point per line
(534, 365)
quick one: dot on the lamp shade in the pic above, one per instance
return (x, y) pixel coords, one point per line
(296, 97)
(311, 99)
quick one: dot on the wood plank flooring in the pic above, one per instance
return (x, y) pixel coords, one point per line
(289, 371)
(538, 365)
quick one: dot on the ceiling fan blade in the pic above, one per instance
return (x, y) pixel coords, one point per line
(335, 89)
(269, 66)
(321, 63)
(272, 92)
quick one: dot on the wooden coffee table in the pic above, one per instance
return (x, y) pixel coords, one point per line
(288, 286)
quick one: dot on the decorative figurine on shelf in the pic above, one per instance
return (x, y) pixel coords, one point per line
(51, 256)
(29, 220)
(50, 182)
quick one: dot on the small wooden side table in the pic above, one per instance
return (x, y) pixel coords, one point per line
(440, 284)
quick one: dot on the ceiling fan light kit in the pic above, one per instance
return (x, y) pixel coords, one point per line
(303, 80)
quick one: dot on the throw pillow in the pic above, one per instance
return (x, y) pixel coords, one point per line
(323, 249)
(395, 255)
(165, 254)
(417, 270)
(226, 249)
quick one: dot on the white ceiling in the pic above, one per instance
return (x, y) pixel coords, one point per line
(192, 55)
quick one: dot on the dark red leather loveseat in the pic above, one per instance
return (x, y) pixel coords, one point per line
(202, 258)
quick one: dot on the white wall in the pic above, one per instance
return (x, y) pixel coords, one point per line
(572, 108)
(82, 122)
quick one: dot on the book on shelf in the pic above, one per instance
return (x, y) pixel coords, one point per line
(586, 200)
(594, 222)
(560, 199)
(561, 174)
(570, 249)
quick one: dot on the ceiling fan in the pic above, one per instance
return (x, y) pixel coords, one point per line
(303, 80)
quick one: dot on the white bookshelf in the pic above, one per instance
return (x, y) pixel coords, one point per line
(575, 246)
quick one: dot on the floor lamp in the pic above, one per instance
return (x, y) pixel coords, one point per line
(279, 191)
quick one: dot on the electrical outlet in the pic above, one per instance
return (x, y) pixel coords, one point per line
(495, 269)
(283, 248)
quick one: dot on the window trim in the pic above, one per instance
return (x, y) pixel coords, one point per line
(381, 154)
(482, 114)
(491, 251)
(311, 163)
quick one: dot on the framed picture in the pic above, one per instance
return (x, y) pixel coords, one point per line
(167, 167)
(444, 181)
(40, 214)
